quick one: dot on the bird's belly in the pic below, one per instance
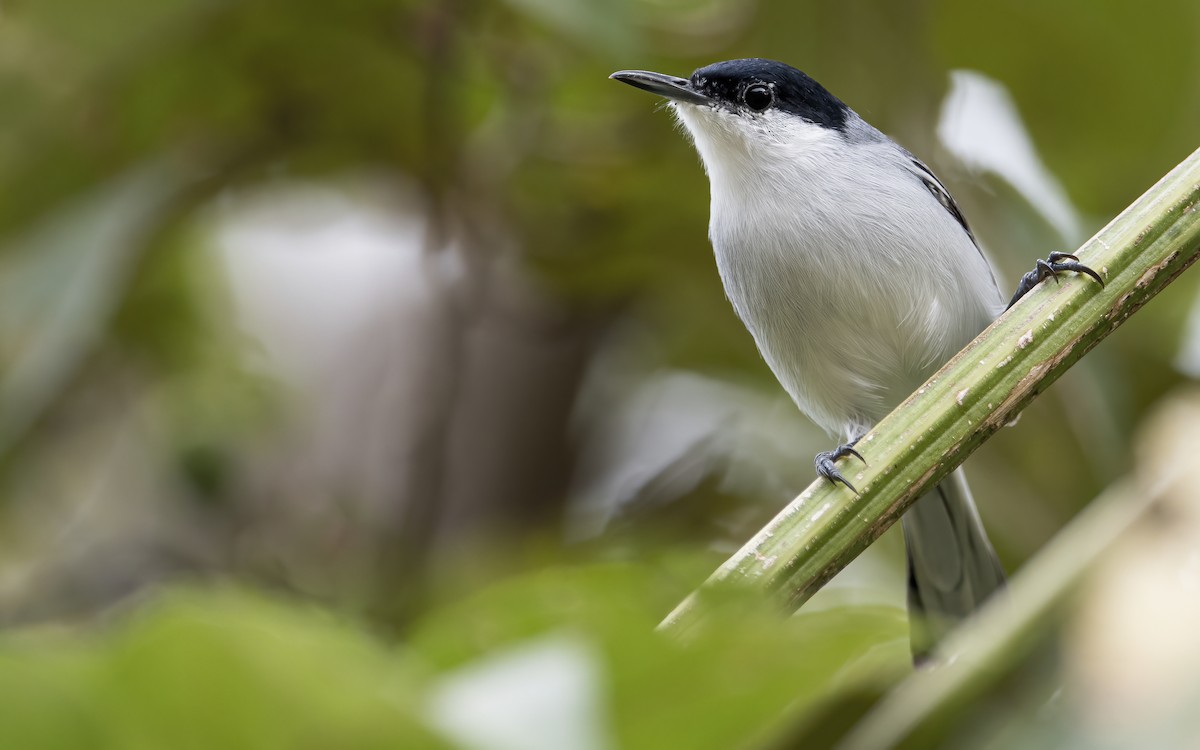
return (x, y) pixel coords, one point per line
(848, 341)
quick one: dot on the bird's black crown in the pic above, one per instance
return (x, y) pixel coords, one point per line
(741, 84)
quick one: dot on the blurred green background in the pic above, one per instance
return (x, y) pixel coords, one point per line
(366, 380)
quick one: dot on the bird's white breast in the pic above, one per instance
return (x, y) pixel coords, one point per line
(855, 283)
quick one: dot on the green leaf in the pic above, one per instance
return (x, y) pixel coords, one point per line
(211, 669)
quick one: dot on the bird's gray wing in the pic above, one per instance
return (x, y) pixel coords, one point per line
(935, 186)
(942, 195)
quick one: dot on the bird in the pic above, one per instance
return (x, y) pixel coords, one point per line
(857, 276)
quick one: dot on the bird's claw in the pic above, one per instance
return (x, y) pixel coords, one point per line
(1054, 263)
(824, 463)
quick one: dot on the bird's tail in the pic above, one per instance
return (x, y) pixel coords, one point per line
(952, 568)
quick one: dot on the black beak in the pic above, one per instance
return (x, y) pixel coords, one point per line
(678, 89)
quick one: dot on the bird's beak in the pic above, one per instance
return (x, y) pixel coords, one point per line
(677, 89)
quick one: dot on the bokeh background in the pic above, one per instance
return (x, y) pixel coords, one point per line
(366, 380)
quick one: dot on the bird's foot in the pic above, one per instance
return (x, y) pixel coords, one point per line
(1050, 267)
(824, 463)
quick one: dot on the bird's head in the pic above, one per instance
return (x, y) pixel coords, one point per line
(748, 111)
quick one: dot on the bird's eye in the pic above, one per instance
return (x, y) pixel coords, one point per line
(758, 97)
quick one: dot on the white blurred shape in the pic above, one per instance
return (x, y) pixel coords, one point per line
(543, 695)
(311, 266)
(981, 126)
(344, 298)
(669, 431)
(1133, 654)
(1188, 359)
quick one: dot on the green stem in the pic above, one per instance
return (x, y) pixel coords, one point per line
(976, 393)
